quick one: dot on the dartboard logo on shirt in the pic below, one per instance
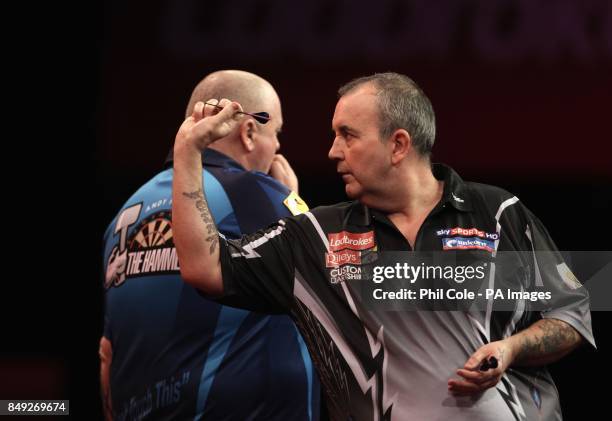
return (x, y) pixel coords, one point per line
(149, 250)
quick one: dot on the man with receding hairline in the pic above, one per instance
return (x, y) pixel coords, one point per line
(376, 362)
(169, 353)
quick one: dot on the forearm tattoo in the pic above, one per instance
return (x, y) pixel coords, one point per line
(556, 337)
(502, 353)
(202, 206)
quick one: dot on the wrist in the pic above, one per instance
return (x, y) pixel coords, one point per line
(512, 348)
(186, 150)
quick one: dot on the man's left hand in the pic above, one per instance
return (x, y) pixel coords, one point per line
(474, 380)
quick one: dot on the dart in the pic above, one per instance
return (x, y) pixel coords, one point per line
(487, 364)
(261, 117)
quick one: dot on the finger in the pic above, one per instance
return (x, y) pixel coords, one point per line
(477, 377)
(277, 165)
(462, 387)
(225, 115)
(489, 385)
(210, 107)
(219, 125)
(223, 102)
(229, 109)
(198, 111)
(474, 362)
(285, 164)
(276, 161)
(457, 386)
(277, 170)
(281, 160)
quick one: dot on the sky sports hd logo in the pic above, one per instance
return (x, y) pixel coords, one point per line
(462, 243)
(467, 232)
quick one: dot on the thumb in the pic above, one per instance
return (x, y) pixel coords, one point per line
(474, 361)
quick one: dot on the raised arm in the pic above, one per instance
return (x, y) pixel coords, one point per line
(195, 235)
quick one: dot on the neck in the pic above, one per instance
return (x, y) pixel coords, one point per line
(225, 147)
(415, 192)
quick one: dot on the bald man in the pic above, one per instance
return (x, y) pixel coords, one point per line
(169, 353)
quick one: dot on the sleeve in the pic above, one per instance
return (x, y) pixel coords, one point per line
(106, 255)
(258, 269)
(570, 300)
(548, 272)
(243, 202)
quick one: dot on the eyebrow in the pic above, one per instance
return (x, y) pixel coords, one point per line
(344, 129)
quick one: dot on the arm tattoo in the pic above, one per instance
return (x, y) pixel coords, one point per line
(501, 351)
(202, 206)
(556, 337)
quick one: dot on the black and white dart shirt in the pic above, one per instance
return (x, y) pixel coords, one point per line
(381, 364)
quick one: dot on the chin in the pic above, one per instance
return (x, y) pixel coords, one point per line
(352, 192)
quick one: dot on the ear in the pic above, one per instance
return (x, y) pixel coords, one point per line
(400, 143)
(247, 131)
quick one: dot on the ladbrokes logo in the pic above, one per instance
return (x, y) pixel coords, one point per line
(350, 240)
(343, 257)
(150, 250)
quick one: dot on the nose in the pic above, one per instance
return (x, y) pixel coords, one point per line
(335, 152)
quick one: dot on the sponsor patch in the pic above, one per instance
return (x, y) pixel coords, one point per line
(568, 276)
(462, 243)
(351, 240)
(295, 204)
(344, 257)
(344, 273)
(149, 251)
(467, 232)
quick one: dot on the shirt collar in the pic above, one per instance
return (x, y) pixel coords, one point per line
(455, 191)
(210, 158)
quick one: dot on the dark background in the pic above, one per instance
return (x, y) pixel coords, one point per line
(521, 91)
